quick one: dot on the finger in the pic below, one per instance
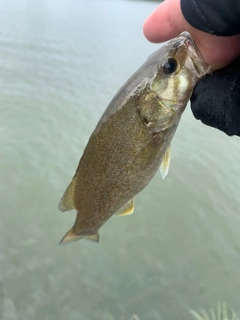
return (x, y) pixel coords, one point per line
(164, 23)
(217, 51)
(167, 21)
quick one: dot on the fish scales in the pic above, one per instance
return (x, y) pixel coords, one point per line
(132, 138)
(118, 157)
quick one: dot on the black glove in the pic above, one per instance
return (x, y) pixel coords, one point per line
(216, 99)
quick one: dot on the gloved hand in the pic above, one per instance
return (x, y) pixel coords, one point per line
(216, 99)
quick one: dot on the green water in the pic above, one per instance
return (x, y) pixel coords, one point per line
(61, 62)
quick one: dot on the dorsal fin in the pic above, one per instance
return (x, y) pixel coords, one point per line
(67, 201)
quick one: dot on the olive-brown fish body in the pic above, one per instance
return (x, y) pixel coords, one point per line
(132, 138)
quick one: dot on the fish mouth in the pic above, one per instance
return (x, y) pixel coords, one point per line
(195, 60)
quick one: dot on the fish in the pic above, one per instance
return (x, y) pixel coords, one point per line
(132, 138)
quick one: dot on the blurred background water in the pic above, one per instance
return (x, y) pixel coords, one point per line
(61, 62)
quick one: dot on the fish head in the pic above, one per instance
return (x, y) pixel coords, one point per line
(179, 67)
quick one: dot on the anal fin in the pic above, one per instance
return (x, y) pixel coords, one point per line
(67, 201)
(165, 163)
(127, 209)
(71, 236)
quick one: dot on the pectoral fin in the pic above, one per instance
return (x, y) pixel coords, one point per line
(67, 201)
(71, 236)
(127, 209)
(165, 163)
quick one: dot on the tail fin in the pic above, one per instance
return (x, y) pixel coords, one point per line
(71, 236)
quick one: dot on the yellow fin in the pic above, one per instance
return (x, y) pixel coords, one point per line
(93, 237)
(71, 236)
(67, 201)
(127, 209)
(165, 163)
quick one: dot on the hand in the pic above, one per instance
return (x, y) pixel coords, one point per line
(216, 98)
(167, 21)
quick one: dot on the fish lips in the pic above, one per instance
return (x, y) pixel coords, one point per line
(195, 61)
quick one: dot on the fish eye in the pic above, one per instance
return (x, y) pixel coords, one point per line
(170, 66)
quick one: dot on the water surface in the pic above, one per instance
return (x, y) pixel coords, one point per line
(61, 63)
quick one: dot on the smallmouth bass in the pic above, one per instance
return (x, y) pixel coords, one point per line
(132, 138)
